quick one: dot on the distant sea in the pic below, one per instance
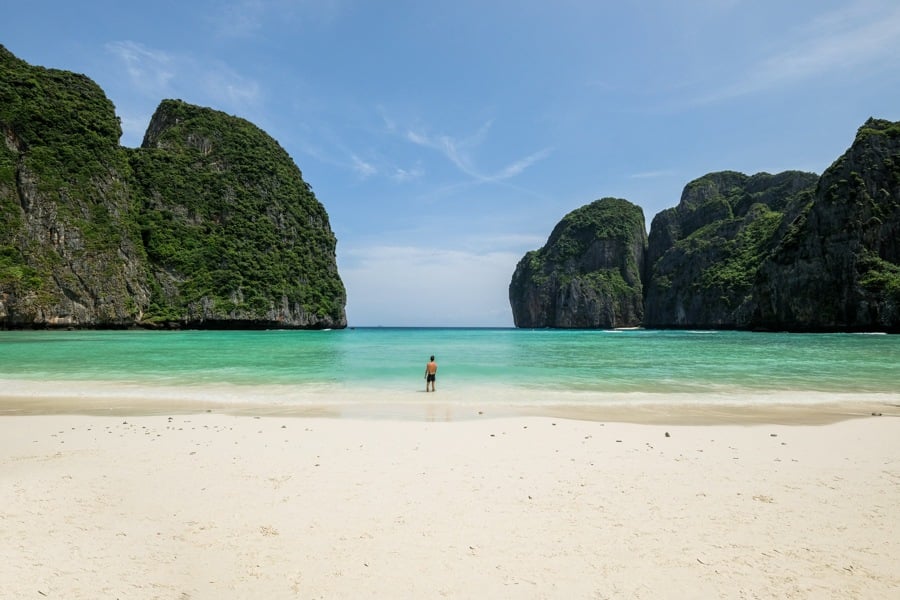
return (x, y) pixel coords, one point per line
(483, 365)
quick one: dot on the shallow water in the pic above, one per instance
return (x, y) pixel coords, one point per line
(501, 365)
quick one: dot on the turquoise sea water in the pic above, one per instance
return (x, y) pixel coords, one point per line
(590, 365)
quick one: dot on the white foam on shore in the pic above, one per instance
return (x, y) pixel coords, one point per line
(18, 396)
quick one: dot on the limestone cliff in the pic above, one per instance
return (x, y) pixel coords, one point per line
(209, 224)
(69, 251)
(837, 267)
(704, 254)
(233, 233)
(791, 251)
(587, 275)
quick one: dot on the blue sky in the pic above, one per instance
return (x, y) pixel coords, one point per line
(447, 138)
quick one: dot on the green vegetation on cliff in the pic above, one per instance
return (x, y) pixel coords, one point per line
(838, 266)
(63, 120)
(606, 219)
(209, 223)
(879, 127)
(65, 207)
(790, 251)
(227, 217)
(879, 277)
(741, 254)
(588, 274)
(704, 255)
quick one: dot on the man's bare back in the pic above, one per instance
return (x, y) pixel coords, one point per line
(430, 374)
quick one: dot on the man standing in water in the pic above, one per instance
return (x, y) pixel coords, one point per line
(430, 374)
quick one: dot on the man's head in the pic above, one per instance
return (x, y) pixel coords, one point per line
(432, 358)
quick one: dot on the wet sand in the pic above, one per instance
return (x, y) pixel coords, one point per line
(30, 397)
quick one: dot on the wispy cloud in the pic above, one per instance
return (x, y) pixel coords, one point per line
(390, 125)
(150, 74)
(520, 165)
(401, 175)
(159, 74)
(458, 152)
(863, 35)
(223, 82)
(365, 169)
(149, 70)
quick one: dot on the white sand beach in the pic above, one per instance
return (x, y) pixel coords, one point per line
(210, 505)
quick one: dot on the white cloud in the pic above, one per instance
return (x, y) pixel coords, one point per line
(519, 166)
(160, 74)
(154, 74)
(403, 175)
(362, 167)
(415, 286)
(457, 151)
(149, 70)
(221, 82)
(862, 35)
(389, 124)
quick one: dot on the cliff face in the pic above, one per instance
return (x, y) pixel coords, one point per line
(587, 275)
(791, 251)
(210, 224)
(69, 253)
(837, 267)
(705, 253)
(233, 233)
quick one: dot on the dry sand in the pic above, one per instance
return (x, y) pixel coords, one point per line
(190, 506)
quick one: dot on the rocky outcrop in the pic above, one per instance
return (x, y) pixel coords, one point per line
(704, 254)
(69, 255)
(837, 266)
(232, 232)
(588, 274)
(210, 224)
(791, 251)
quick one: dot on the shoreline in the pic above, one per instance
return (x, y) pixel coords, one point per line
(647, 414)
(28, 397)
